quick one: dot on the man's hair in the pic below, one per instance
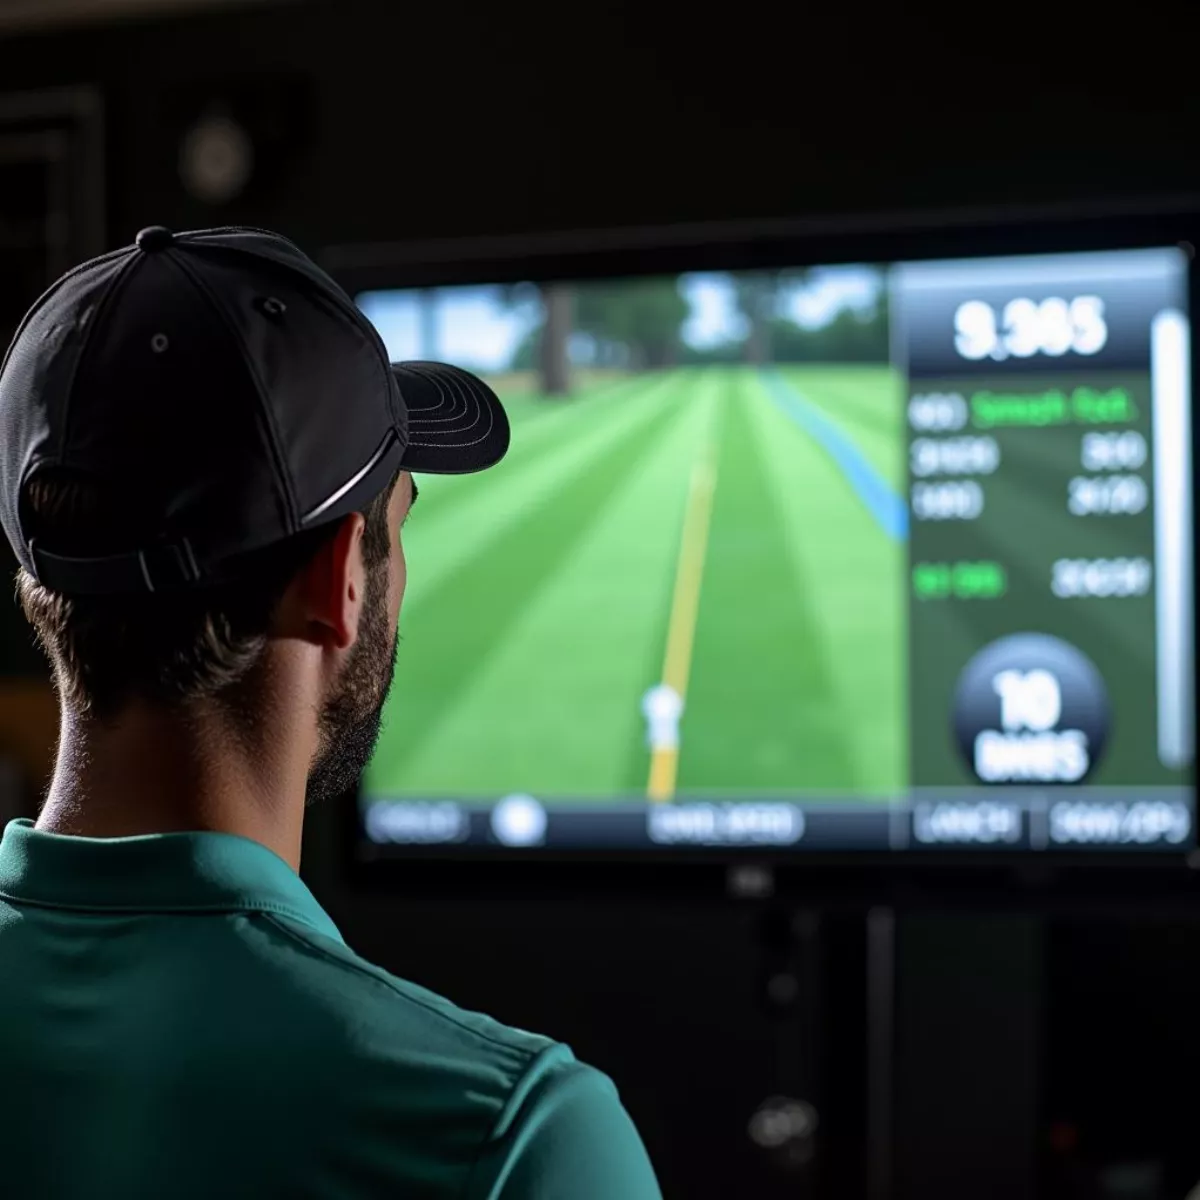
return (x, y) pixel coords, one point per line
(165, 648)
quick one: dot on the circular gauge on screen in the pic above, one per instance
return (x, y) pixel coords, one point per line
(1031, 709)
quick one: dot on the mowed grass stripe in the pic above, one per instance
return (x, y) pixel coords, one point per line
(556, 710)
(869, 409)
(873, 396)
(762, 711)
(885, 451)
(462, 622)
(557, 421)
(439, 541)
(852, 577)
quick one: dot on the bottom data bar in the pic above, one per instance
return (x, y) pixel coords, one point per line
(1053, 819)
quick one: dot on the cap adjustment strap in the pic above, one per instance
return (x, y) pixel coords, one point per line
(166, 566)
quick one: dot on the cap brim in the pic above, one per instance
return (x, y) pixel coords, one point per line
(456, 423)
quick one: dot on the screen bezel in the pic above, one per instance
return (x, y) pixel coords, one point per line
(740, 246)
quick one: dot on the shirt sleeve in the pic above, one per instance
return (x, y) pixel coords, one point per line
(564, 1136)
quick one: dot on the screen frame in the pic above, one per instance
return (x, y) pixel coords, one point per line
(742, 246)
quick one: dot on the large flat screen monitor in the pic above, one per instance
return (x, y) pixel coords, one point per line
(865, 557)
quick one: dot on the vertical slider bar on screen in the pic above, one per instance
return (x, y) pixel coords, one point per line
(1170, 379)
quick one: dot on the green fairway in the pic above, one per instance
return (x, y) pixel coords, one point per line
(868, 403)
(542, 595)
(797, 670)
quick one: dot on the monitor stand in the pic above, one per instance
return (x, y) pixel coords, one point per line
(954, 1004)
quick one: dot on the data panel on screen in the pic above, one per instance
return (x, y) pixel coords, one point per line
(852, 558)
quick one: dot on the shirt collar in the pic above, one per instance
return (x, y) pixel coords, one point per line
(160, 872)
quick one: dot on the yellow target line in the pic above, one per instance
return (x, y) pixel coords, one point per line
(685, 606)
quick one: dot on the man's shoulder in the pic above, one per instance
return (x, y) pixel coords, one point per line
(399, 1020)
(452, 1096)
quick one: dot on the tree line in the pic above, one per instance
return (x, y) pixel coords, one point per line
(637, 325)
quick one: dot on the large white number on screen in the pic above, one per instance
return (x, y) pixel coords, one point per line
(1027, 327)
(1028, 699)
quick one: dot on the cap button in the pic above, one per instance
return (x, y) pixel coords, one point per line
(154, 237)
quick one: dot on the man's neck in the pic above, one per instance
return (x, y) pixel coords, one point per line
(151, 771)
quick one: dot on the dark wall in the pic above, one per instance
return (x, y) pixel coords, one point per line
(386, 121)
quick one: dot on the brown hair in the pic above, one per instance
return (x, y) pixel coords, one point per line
(167, 648)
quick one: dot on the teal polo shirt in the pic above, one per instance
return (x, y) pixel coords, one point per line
(179, 1018)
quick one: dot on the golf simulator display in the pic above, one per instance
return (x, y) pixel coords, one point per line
(846, 558)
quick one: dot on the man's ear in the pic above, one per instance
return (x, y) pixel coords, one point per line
(325, 600)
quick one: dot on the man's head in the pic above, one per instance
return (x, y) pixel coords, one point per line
(209, 647)
(206, 459)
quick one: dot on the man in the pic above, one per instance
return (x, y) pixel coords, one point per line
(205, 464)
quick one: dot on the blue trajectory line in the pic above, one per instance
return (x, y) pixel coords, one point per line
(882, 502)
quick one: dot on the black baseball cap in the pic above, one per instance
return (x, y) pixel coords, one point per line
(233, 395)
